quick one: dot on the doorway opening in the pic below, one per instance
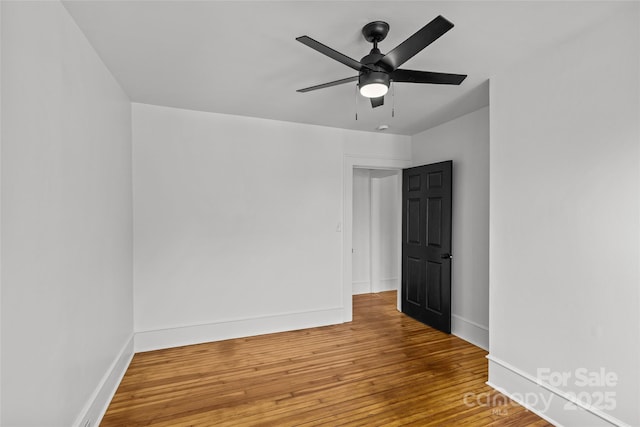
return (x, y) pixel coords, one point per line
(382, 169)
(375, 239)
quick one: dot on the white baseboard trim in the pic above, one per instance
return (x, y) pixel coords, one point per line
(545, 400)
(470, 331)
(238, 328)
(383, 285)
(361, 287)
(98, 403)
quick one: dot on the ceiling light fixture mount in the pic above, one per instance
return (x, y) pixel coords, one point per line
(376, 31)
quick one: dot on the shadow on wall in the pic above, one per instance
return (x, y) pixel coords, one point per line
(470, 101)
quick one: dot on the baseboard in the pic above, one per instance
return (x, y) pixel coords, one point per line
(470, 331)
(97, 404)
(383, 285)
(545, 400)
(239, 328)
(361, 287)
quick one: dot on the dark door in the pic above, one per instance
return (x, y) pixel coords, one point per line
(426, 244)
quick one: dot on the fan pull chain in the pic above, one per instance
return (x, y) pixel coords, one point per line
(393, 99)
(356, 101)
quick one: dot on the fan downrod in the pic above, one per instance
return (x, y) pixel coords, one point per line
(375, 31)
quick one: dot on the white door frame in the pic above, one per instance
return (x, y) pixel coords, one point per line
(350, 163)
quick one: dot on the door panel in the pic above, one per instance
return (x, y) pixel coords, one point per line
(414, 278)
(414, 182)
(413, 217)
(434, 222)
(426, 244)
(434, 180)
(434, 278)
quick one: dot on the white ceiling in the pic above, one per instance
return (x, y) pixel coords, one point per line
(241, 57)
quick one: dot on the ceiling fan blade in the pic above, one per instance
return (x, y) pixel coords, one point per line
(334, 83)
(411, 76)
(414, 44)
(377, 102)
(331, 53)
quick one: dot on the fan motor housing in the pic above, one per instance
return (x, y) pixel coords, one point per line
(373, 57)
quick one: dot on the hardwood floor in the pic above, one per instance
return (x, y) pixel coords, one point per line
(382, 369)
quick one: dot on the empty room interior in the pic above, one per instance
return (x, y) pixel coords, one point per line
(204, 221)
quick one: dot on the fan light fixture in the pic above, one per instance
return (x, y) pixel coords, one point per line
(374, 90)
(374, 84)
(376, 70)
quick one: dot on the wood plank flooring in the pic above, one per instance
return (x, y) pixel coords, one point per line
(382, 369)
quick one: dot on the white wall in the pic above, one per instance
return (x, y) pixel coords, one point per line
(238, 224)
(465, 140)
(66, 221)
(361, 231)
(1, 132)
(385, 232)
(565, 220)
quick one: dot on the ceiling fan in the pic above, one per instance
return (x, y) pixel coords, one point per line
(376, 71)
